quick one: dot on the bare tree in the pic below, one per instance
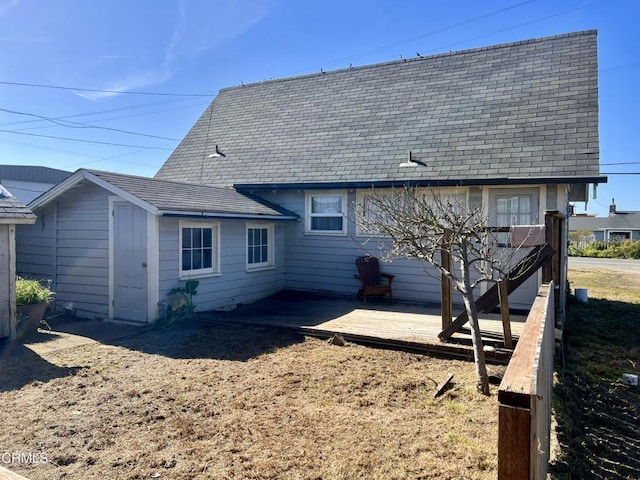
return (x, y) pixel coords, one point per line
(411, 223)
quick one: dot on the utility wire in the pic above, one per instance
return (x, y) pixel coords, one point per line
(621, 163)
(96, 90)
(428, 34)
(110, 110)
(85, 141)
(70, 124)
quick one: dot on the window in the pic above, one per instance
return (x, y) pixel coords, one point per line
(198, 249)
(369, 212)
(259, 246)
(326, 213)
(514, 210)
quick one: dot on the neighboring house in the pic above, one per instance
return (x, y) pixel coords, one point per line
(512, 128)
(12, 213)
(26, 182)
(618, 226)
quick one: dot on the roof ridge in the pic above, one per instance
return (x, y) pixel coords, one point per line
(451, 53)
(162, 180)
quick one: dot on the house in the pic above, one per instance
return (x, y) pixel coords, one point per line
(26, 182)
(618, 226)
(513, 128)
(12, 213)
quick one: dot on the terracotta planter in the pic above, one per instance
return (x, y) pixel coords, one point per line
(30, 316)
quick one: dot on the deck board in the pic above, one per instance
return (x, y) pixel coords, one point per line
(397, 325)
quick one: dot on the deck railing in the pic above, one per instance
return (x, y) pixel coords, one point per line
(524, 420)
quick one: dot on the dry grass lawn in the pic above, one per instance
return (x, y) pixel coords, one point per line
(226, 401)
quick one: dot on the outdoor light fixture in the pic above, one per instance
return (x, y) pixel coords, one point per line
(217, 153)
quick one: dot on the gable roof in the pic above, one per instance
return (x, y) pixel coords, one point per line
(13, 210)
(619, 221)
(167, 198)
(509, 113)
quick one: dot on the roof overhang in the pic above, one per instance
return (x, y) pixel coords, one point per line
(422, 183)
(240, 216)
(18, 220)
(80, 176)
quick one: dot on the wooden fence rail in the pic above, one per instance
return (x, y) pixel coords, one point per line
(524, 419)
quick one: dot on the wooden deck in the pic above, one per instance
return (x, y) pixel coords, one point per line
(402, 326)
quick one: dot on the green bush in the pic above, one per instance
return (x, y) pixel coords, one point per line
(575, 251)
(29, 291)
(624, 249)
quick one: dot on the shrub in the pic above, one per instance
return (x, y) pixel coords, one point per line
(575, 251)
(29, 291)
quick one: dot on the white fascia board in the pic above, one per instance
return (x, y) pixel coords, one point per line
(78, 177)
(17, 221)
(181, 213)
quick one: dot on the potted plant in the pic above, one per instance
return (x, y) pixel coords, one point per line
(32, 300)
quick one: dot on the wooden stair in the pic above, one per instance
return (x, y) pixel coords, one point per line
(526, 267)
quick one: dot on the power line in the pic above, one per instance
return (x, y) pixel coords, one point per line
(428, 34)
(620, 68)
(85, 141)
(95, 90)
(69, 124)
(411, 39)
(621, 163)
(129, 107)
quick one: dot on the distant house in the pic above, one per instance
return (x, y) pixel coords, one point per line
(260, 194)
(12, 213)
(26, 182)
(618, 226)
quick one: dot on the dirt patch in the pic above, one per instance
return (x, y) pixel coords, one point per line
(229, 401)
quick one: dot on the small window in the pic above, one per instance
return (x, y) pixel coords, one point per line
(259, 246)
(326, 213)
(198, 249)
(514, 210)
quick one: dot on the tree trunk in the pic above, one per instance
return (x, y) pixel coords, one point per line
(482, 378)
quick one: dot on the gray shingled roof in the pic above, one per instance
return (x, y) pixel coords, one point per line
(13, 210)
(29, 173)
(619, 221)
(169, 196)
(524, 109)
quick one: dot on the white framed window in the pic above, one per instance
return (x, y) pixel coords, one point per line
(513, 206)
(199, 249)
(260, 246)
(369, 210)
(514, 210)
(326, 212)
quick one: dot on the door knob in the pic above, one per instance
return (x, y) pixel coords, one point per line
(144, 264)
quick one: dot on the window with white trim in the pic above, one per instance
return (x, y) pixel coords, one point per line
(260, 246)
(326, 212)
(514, 210)
(199, 249)
(369, 211)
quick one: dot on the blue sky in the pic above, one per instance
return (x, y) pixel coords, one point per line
(187, 50)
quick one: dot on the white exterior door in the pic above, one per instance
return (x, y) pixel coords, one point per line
(129, 262)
